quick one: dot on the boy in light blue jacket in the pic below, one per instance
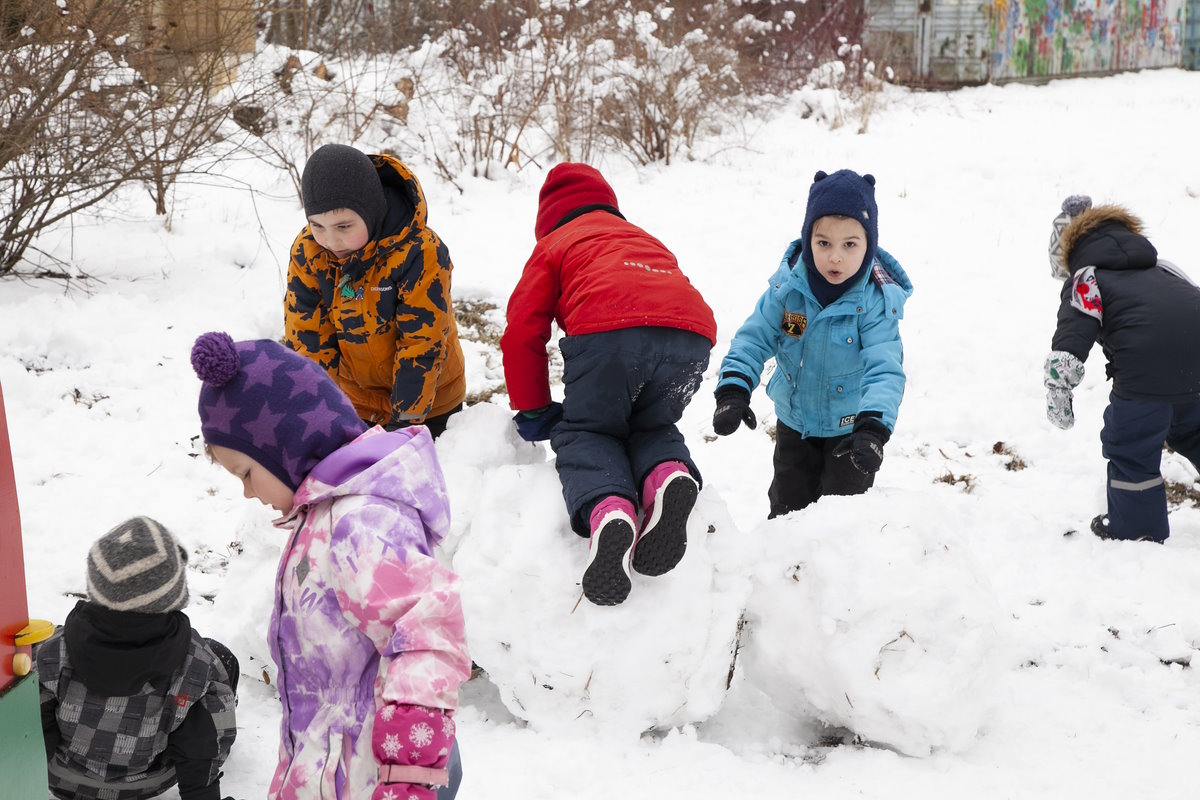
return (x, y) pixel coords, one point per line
(831, 320)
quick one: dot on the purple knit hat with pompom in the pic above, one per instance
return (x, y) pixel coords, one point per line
(272, 404)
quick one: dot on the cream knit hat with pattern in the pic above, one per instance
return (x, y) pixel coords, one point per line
(138, 566)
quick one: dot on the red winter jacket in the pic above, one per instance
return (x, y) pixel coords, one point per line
(595, 273)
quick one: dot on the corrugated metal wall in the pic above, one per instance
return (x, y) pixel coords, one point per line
(968, 41)
(1191, 35)
(956, 42)
(943, 41)
(890, 34)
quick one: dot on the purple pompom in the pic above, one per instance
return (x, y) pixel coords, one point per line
(214, 358)
(1076, 204)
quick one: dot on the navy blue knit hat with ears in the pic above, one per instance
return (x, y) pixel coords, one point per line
(845, 193)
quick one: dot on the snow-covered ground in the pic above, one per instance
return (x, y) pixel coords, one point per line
(956, 633)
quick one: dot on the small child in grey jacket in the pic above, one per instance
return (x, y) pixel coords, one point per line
(134, 700)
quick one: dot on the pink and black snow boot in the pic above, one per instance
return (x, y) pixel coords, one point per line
(606, 580)
(668, 494)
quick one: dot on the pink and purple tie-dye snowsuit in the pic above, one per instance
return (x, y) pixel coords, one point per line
(364, 615)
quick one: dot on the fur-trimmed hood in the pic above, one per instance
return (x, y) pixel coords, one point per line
(1110, 236)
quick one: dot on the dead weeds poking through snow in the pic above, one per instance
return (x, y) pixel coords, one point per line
(967, 481)
(1179, 494)
(1014, 463)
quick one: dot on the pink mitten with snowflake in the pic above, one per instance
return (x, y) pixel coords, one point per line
(412, 745)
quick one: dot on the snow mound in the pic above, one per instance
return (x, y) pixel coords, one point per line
(839, 630)
(477, 439)
(659, 660)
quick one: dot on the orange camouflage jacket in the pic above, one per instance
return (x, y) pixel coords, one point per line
(381, 321)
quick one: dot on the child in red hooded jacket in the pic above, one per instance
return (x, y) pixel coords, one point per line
(636, 342)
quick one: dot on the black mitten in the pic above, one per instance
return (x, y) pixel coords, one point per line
(733, 408)
(865, 445)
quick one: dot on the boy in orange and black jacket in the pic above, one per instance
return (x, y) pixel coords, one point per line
(368, 291)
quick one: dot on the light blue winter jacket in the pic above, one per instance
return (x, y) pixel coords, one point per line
(832, 362)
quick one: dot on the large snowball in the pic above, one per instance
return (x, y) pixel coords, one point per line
(660, 659)
(870, 614)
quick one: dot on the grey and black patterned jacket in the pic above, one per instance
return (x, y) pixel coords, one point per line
(133, 703)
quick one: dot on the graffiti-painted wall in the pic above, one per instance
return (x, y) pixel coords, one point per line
(961, 41)
(1042, 38)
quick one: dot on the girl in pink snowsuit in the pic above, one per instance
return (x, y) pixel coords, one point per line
(367, 631)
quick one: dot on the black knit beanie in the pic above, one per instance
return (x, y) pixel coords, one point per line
(340, 176)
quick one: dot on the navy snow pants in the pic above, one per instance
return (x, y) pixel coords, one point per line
(1132, 440)
(624, 390)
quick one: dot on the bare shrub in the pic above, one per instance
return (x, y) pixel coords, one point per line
(664, 83)
(183, 101)
(506, 83)
(300, 24)
(83, 115)
(575, 76)
(346, 28)
(300, 101)
(504, 91)
(779, 42)
(62, 103)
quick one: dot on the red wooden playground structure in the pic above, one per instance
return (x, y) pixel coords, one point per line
(22, 753)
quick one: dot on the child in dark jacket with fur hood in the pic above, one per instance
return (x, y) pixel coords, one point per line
(1145, 313)
(133, 699)
(368, 291)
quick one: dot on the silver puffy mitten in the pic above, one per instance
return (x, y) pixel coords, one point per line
(1063, 372)
(1058, 408)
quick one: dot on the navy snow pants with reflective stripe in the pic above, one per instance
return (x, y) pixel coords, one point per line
(623, 392)
(1132, 441)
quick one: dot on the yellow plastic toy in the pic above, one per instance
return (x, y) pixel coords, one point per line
(38, 630)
